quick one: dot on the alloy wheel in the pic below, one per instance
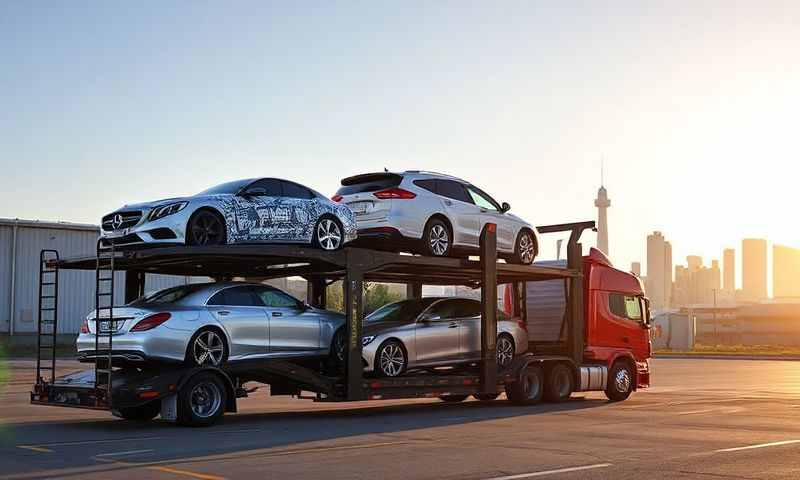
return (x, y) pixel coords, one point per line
(339, 346)
(207, 229)
(208, 349)
(439, 240)
(329, 235)
(527, 252)
(392, 360)
(205, 399)
(622, 381)
(505, 351)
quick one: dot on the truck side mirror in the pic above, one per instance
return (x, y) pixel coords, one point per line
(505, 207)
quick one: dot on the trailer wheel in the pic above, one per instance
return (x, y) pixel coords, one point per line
(527, 390)
(201, 400)
(558, 384)
(142, 413)
(453, 398)
(486, 397)
(620, 382)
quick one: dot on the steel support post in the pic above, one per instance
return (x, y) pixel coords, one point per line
(414, 290)
(576, 331)
(353, 303)
(316, 295)
(134, 285)
(488, 252)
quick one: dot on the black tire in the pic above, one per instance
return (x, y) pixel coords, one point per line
(437, 238)
(142, 413)
(328, 233)
(559, 383)
(525, 248)
(505, 350)
(195, 348)
(486, 397)
(453, 398)
(620, 382)
(336, 356)
(201, 400)
(206, 228)
(527, 390)
(394, 362)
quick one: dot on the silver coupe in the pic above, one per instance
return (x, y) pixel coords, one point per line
(434, 332)
(212, 323)
(252, 210)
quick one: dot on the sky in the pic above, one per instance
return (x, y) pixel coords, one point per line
(693, 105)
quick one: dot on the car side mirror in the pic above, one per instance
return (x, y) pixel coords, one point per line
(303, 306)
(430, 318)
(505, 207)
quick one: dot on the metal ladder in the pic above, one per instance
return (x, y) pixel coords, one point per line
(47, 328)
(104, 302)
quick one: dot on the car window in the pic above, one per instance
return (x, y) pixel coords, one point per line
(465, 308)
(266, 187)
(169, 295)
(481, 199)
(444, 310)
(404, 310)
(428, 184)
(272, 297)
(236, 297)
(625, 306)
(451, 189)
(293, 190)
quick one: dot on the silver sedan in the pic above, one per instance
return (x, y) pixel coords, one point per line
(434, 332)
(254, 210)
(212, 323)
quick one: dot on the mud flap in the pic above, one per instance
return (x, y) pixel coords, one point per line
(169, 408)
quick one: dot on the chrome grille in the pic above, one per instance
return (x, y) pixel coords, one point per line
(128, 219)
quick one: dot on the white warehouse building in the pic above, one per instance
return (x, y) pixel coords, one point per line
(21, 242)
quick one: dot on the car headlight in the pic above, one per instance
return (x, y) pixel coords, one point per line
(169, 209)
(367, 340)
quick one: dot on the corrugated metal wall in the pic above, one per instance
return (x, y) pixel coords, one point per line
(76, 288)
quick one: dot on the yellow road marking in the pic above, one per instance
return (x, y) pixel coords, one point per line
(35, 448)
(201, 476)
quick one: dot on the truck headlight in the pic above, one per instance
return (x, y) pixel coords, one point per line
(164, 210)
(367, 340)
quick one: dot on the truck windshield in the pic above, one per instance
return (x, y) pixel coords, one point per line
(169, 295)
(402, 310)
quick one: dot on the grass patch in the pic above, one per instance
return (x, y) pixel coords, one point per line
(735, 350)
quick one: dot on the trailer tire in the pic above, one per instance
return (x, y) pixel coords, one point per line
(620, 381)
(527, 390)
(201, 400)
(559, 383)
(142, 413)
(453, 398)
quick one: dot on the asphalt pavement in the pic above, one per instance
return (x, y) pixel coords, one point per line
(702, 418)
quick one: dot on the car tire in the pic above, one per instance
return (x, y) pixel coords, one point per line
(620, 382)
(525, 248)
(559, 383)
(207, 340)
(505, 350)
(486, 397)
(328, 233)
(453, 398)
(142, 413)
(206, 228)
(391, 359)
(338, 351)
(201, 400)
(437, 238)
(527, 390)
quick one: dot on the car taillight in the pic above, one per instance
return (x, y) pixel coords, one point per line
(148, 323)
(398, 193)
(337, 198)
(85, 326)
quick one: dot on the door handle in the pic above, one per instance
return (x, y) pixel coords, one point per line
(453, 325)
(277, 314)
(223, 312)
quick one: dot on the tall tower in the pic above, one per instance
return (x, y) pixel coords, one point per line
(602, 203)
(729, 271)
(754, 269)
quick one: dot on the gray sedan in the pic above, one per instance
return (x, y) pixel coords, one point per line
(434, 332)
(211, 323)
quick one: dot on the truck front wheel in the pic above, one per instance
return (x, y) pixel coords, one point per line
(620, 382)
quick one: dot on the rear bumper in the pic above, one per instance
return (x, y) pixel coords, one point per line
(382, 238)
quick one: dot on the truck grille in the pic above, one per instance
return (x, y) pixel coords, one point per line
(126, 219)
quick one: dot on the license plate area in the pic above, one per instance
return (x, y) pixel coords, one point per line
(110, 326)
(361, 208)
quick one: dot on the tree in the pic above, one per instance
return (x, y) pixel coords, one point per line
(376, 295)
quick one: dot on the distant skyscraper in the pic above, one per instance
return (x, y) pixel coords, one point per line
(729, 270)
(754, 269)
(636, 268)
(602, 203)
(659, 270)
(785, 272)
(694, 262)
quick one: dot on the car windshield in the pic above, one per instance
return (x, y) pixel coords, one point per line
(228, 187)
(402, 310)
(169, 295)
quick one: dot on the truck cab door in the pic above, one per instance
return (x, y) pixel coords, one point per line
(623, 324)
